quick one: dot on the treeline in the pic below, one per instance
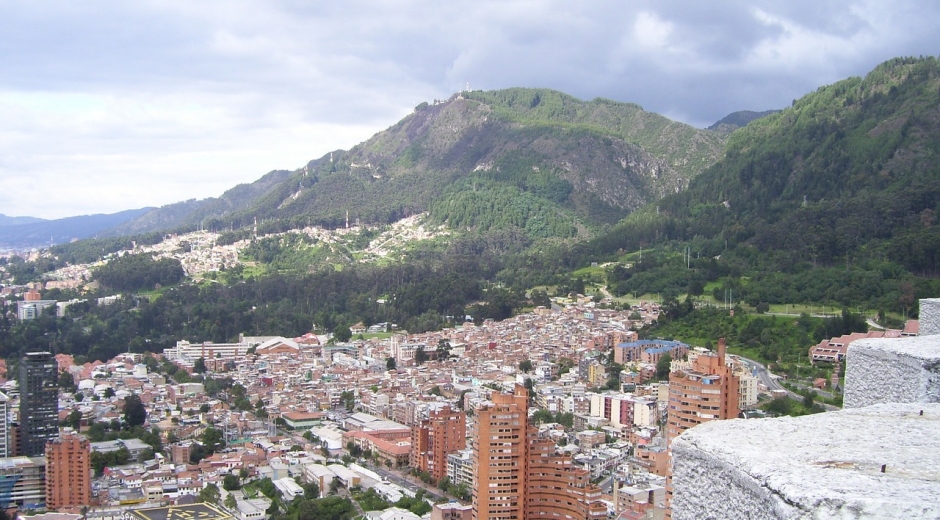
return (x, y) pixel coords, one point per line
(418, 296)
(484, 205)
(135, 272)
(771, 339)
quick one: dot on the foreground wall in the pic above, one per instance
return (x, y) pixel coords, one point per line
(819, 466)
(902, 370)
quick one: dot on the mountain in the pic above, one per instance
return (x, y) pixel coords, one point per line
(556, 165)
(196, 213)
(846, 180)
(44, 232)
(16, 221)
(735, 120)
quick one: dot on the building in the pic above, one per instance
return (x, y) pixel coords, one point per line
(875, 458)
(499, 456)
(555, 488)
(4, 426)
(32, 306)
(708, 390)
(451, 511)
(39, 399)
(521, 475)
(460, 467)
(443, 432)
(68, 472)
(22, 482)
(833, 350)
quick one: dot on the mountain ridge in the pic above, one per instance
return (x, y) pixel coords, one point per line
(535, 140)
(57, 231)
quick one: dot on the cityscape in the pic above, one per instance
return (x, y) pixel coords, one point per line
(506, 260)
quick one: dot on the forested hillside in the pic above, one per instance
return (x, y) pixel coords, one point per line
(575, 165)
(833, 199)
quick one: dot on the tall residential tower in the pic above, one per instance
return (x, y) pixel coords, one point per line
(39, 403)
(521, 475)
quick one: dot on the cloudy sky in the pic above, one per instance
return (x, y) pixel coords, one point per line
(106, 106)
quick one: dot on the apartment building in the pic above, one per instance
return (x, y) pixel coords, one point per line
(68, 472)
(521, 475)
(442, 432)
(708, 390)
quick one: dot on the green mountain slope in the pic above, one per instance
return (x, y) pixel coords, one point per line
(583, 163)
(206, 213)
(735, 120)
(847, 179)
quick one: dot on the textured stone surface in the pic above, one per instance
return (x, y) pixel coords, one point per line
(823, 466)
(929, 322)
(901, 370)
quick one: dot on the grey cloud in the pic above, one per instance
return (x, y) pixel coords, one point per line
(177, 79)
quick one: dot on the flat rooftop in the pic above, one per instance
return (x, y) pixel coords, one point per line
(187, 512)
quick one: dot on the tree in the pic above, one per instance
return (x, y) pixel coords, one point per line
(231, 482)
(420, 356)
(390, 363)
(525, 366)
(348, 399)
(210, 494)
(230, 501)
(212, 439)
(135, 414)
(443, 349)
(66, 381)
(808, 401)
(197, 452)
(342, 333)
(73, 420)
(663, 367)
(199, 366)
(311, 490)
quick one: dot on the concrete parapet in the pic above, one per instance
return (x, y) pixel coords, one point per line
(929, 316)
(878, 462)
(901, 370)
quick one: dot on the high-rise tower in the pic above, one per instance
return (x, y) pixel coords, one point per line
(499, 456)
(39, 403)
(5, 450)
(519, 475)
(443, 432)
(68, 472)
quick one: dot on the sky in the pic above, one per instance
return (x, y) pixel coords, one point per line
(114, 105)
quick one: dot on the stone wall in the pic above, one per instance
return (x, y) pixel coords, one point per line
(902, 370)
(929, 317)
(878, 462)
(876, 459)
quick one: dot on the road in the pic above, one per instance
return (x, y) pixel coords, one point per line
(766, 378)
(410, 483)
(772, 382)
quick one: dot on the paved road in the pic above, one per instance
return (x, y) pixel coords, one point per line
(772, 382)
(766, 378)
(410, 483)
